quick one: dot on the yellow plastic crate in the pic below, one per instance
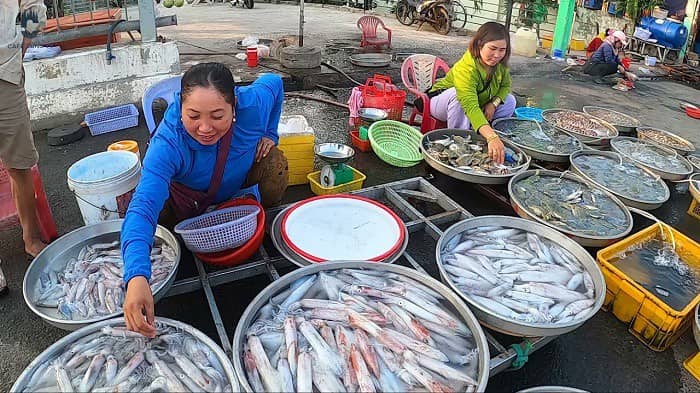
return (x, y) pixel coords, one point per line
(651, 320)
(298, 178)
(299, 139)
(546, 41)
(694, 209)
(577, 44)
(315, 181)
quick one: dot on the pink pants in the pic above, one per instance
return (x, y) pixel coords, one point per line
(446, 107)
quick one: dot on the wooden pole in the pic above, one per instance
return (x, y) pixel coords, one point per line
(301, 23)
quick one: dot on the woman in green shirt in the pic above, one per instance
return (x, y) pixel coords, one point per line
(477, 88)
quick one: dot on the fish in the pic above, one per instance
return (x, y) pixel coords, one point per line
(353, 334)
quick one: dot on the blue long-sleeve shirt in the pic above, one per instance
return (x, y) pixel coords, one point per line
(173, 155)
(605, 54)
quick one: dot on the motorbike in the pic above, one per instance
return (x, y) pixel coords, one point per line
(434, 12)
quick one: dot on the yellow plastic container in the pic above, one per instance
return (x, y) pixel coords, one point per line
(546, 41)
(694, 209)
(692, 364)
(299, 150)
(127, 145)
(315, 181)
(651, 320)
(577, 44)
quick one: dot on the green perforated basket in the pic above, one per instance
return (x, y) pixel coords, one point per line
(396, 143)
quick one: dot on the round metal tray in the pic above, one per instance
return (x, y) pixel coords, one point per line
(696, 326)
(666, 175)
(283, 283)
(287, 252)
(67, 246)
(57, 348)
(536, 153)
(690, 147)
(584, 240)
(694, 160)
(371, 59)
(589, 140)
(627, 200)
(507, 325)
(621, 129)
(694, 191)
(464, 175)
(552, 389)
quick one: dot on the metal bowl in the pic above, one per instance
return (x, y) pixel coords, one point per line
(694, 191)
(464, 175)
(627, 129)
(643, 133)
(300, 260)
(589, 140)
(334, 152)
(584, 240)
(507, 325)
(694, 160)
(536, 153)
(58, 347)
(627, 200)
(696, 326)
(283, 283)
(67, 246)
(371, 115)
(664, 174)
(371, 59)
(552, 389)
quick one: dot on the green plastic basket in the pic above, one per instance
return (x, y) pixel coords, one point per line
(396, 143)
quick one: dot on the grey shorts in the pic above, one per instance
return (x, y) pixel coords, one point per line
(16, 142)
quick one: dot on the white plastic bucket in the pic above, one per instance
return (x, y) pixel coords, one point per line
(104, 183)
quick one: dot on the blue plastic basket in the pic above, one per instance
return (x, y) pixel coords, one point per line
(112, 119)
(530, 113)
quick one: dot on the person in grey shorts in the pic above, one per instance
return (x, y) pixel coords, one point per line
(17, 151)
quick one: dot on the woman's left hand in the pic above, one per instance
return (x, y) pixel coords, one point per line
(264, 147)
(489, 111)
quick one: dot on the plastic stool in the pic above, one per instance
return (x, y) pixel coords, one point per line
(8, 210)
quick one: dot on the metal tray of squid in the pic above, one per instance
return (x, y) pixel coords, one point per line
(661, 160)
(276, 236)
(371, 59)
(466, 175)
(555, 145)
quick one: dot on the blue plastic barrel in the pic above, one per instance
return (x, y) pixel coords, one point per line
(667, 33)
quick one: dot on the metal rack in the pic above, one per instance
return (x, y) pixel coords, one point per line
(397, 196)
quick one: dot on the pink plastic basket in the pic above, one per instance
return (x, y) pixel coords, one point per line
(219, 230)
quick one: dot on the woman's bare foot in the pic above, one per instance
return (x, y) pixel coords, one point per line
(34, 247)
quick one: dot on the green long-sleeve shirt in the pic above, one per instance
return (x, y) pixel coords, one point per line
(468, 77)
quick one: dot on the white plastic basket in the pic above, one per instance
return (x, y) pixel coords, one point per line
(642, 33)
(219, 230)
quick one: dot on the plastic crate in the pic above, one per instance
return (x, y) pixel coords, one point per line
(363, 146)
(112, 119)
(378, 92)
(315, 181)
(651, 320)
(694, 209)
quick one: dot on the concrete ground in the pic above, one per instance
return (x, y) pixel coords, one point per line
(599, 356)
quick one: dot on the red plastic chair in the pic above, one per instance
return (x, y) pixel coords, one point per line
(8, 211)
(418, 73)
(369, 25)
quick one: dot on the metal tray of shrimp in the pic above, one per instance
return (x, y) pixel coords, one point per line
(57, 255)
(277, 287)
(25, 379)
(584, 238)
(624, 123)
(588, 129)
(547, 150)
(463, 174)
(650, 180)
(656, 157)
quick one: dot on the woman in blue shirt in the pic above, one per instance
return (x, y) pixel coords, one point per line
(605, 60)
(216, 142)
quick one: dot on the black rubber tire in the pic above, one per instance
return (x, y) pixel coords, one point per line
(249, 4)
(405, 14)
(64, 135)
(441, 17)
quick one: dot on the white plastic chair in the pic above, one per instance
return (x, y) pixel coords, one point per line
(164, 89)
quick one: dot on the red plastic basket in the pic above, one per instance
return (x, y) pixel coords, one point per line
(236, 256)
(363, 146)
(378, 92)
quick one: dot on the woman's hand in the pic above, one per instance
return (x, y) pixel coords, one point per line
(138, 307)
(264, 147)
(489, 111)
(497, 152)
